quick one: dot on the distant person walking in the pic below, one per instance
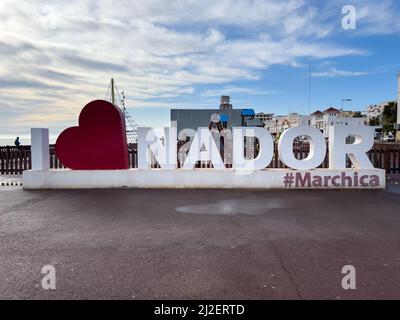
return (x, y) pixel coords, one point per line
(17, 142)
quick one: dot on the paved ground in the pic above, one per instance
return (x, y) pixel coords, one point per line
(140, 244)
(10, 180)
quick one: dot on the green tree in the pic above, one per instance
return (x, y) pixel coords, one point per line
(375, 121)
(389, 117)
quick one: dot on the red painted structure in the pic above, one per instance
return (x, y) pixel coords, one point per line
(98, 143)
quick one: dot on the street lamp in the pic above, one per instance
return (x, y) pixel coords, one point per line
(345, 100)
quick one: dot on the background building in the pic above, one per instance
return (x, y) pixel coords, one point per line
(382, 117)
(375, 111)
(318, 119)
(189, 120)
(264, 117)
(398, 107)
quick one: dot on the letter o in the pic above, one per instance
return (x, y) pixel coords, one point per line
(317, 148)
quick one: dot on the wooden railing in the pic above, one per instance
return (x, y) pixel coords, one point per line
(15, 160)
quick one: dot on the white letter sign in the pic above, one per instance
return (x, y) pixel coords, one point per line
(265, 155)
(317, 148)
(357, 151)
(148, 141)
(203, 148)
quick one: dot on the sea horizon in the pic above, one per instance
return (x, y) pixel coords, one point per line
(24, 139)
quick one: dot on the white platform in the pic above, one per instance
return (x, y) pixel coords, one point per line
(199, 178)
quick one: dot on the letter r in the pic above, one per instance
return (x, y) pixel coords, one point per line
(357, 152)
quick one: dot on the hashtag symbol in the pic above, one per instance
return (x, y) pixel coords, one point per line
(288, 180)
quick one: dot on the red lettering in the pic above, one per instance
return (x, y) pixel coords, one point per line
(335, 182)
(327, 179)
(303, 182)
(362, 181)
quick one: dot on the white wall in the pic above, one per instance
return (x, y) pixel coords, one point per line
(199, 178)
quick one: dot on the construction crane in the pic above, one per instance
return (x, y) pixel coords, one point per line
(119, 100)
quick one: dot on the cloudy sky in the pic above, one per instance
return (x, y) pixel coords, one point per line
(56, 56)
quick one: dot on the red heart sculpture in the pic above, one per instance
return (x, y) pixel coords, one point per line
(98, 143)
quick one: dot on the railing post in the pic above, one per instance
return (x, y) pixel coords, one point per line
(1, 163)
(40, 152)
(386, 159)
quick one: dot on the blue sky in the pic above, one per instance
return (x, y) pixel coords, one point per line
(56, 56)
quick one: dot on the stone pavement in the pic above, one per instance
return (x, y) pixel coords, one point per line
(215, 244)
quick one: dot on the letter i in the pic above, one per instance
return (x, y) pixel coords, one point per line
(356, 179)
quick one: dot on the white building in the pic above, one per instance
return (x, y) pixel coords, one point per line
(398, 99)
(341, 121)
(334, 117)
(376, 110)
(264, 117)
(320, 120)
(277, 124)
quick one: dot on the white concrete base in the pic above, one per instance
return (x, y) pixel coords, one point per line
(205, 178)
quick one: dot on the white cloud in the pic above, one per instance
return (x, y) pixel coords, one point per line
(61, 55)
(335, 73)
(233, 90)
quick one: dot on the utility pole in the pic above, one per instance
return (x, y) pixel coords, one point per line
(112, 92)
(343, 101)
(398, 107)
(309, 89)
